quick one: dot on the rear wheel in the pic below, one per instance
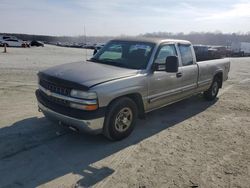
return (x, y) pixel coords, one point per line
(120, 119)
(212, 92)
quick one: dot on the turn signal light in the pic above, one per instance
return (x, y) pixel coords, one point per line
(89, 107)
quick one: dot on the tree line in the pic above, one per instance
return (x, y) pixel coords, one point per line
(206, 38)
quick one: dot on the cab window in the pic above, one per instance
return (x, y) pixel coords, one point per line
(186, 54)
(164, 52)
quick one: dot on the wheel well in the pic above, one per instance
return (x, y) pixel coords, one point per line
(219, 76)
(137, 98)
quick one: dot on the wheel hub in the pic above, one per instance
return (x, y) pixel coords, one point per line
(214, 88)
(123, 119)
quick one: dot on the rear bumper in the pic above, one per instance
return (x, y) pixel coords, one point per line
(93, 126)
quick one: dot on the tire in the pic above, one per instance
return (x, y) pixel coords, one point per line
(212, 92)
(120, 119)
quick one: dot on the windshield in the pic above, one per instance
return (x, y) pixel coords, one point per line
(128, 54)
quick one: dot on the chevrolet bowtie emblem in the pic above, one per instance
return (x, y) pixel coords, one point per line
(48, 92)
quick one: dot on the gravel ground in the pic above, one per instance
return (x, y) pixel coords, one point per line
(193, 143)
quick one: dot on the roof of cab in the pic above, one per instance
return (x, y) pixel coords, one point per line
(151, 40)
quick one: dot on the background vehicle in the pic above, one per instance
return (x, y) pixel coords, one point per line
(13, 42)
(124, 80)
(240, 48)
(201, 52)
(37, 43)
(4, 37)
(223, 51)
(206, 52)
(89, 46)
(26, 44)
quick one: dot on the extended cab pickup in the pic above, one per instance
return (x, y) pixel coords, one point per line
(124, 80)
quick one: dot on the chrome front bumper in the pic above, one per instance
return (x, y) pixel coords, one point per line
(93, 126)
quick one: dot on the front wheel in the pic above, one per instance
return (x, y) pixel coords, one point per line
(212, 92)
(120, 119)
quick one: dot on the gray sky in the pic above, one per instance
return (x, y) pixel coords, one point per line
(129, 17)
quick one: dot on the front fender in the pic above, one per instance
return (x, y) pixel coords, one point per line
(111, 90)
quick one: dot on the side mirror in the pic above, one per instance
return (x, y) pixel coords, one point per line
(172, 64)
(158, 67)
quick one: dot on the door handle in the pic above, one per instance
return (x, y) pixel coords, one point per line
(178, 74)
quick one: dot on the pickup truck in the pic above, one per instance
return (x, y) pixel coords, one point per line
(124, 80)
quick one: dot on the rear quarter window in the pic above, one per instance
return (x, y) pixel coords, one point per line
(186, 54)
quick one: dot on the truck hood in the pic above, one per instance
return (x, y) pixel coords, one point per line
(88, 73)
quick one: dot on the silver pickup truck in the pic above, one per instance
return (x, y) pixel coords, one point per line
(124, 80)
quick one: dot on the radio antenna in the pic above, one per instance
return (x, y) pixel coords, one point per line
(85, 41)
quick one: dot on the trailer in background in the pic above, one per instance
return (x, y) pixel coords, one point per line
(240, 49)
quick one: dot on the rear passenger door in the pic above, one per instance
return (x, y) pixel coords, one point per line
(188, 70)
(163, 87)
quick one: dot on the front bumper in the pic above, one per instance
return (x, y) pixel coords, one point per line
(93, 126)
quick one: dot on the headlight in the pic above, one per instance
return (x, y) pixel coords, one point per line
(83, 94)
(90, 99)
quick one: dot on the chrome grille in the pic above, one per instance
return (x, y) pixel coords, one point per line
(55, 88)
(54, 99)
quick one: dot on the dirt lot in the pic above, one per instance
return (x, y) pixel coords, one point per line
(192, 143)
